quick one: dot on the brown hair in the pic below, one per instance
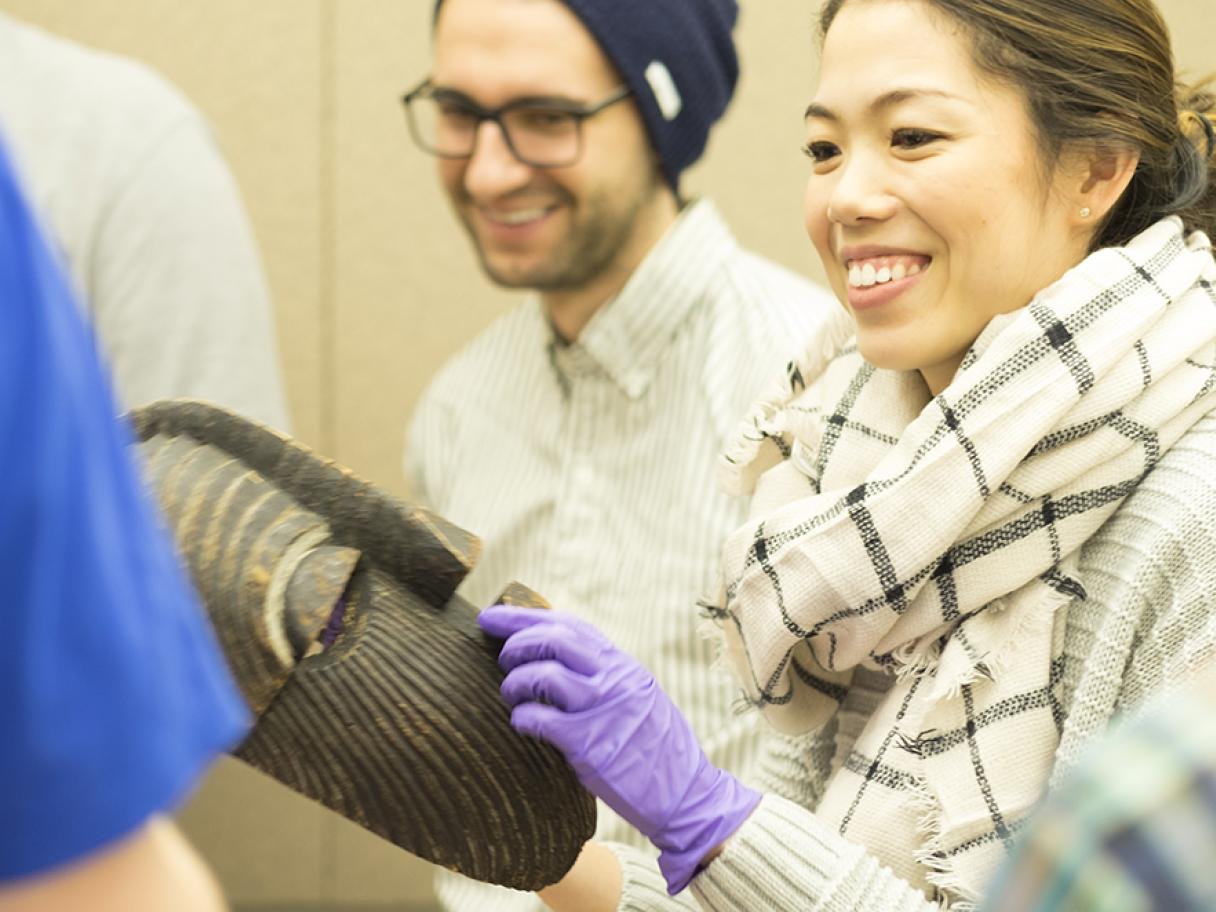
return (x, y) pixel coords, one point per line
(1101, 71)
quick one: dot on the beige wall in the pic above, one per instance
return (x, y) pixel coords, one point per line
(374, 285)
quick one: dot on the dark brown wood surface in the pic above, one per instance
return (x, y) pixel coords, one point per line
(398, 725)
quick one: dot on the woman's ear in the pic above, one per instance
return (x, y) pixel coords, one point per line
(1099, 177)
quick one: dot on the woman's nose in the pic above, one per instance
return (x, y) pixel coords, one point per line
(860, 192)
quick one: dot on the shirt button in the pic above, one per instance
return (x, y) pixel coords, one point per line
(634, 381)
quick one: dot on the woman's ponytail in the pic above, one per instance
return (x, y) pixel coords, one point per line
(1195, 159)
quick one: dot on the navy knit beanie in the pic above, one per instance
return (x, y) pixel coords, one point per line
(679, 59)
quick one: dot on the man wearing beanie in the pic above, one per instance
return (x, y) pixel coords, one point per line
(579, 435)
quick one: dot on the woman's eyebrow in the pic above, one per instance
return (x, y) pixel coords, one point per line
(886, 100)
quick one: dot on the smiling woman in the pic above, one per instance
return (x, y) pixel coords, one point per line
(982, 497)
(1006, 166)
(943, 196)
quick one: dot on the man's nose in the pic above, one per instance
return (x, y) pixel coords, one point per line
(493, 168)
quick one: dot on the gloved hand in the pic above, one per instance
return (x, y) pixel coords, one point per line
(629, 745)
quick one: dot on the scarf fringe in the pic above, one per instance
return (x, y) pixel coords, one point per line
(911, 660)
(747, 456)
(746, 459)
(939, 870)
(992, 664)
(709, 627)
(940, 873)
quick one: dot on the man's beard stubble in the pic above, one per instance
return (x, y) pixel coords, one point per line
(599, 233)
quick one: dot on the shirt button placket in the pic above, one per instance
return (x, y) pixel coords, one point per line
(575, 497)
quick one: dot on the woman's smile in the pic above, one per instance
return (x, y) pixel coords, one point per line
(878, 275)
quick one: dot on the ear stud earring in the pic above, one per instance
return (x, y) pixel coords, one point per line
(1085, 212)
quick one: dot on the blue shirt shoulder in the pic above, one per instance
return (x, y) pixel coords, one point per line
(115, 693)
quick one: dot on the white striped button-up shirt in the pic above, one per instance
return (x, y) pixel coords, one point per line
(588, 469)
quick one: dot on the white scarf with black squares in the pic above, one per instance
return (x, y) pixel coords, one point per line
(933, 536)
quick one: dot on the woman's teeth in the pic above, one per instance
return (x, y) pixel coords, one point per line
(887, 269)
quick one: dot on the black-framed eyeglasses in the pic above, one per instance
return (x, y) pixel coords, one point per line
(541, 132)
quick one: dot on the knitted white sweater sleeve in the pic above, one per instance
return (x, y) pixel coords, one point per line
(783, 857)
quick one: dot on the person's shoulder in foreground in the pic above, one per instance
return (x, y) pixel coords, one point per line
(115, 696)
(137, 200)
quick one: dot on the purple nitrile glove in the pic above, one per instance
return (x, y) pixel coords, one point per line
(568, 685)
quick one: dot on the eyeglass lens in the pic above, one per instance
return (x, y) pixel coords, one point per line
(546, 137)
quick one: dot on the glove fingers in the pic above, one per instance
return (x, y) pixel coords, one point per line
(503, 620)
(555, 642)
(549, 682)
(541, 721)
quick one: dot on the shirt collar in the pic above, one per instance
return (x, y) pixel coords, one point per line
(627, 336)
